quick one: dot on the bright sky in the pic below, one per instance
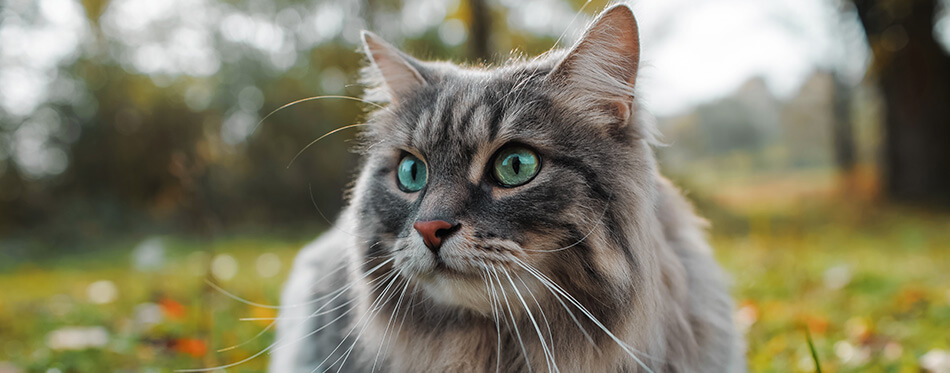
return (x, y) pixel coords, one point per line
(695, 51)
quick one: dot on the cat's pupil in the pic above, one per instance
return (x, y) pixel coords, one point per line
(414, 170)
(516, 164)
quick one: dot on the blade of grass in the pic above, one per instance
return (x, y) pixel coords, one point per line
(811, 347)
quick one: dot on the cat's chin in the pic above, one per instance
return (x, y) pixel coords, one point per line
(450, 287)
(453, 279)
(458, 291)
(470, 292)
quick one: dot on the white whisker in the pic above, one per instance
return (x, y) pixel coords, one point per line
(374, 307)
(259, 123)
(269, 326)
(382, 280)
(292, 160)
(409, 308)
(313, 201)
(493, 300)
(275, 343)
(388, 325)
(571, 314)
(548, 357)
(544, 317)
(514, 323)
(270, 306)
(544, 279)
(568, 28)
(374, 313)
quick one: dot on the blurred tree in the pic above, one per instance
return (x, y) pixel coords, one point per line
(480, 30)
(153, 119)
(842, 133)
(913, 71)
(148, 150)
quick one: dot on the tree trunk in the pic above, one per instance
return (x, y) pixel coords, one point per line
(842, 132)
(913, 71)
(479, 41)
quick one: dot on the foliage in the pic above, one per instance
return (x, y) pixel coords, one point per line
(121, 142)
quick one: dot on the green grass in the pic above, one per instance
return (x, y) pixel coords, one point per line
(811, 348)
(195, 321)
(870, 284)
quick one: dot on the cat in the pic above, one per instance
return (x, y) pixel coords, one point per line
(510, 219)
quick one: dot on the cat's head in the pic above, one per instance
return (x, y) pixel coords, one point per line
(478, 175)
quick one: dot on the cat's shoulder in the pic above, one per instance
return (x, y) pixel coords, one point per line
(326, 251)
(313, 318)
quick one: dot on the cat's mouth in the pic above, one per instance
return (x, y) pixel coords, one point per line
(466, 263)
(443, 269)
(459, 255)
(440, 269)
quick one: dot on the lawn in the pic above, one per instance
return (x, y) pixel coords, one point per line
(870, 283)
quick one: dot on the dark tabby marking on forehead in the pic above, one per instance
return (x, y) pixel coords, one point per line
(593, 262)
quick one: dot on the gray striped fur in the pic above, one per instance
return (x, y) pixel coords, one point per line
(598, 221)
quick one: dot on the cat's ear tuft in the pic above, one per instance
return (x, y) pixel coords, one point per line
(392, 73)
(603, 65)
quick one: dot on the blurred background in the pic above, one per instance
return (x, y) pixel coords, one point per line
(134, 172)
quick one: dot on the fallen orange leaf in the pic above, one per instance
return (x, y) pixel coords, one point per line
(191, 346)
(171, 308)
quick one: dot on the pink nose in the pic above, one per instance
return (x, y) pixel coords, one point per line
(434, 231)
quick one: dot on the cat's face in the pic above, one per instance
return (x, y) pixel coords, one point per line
(480, 177)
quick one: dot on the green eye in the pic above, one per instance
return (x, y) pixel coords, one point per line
(516, 165)
(411, 174)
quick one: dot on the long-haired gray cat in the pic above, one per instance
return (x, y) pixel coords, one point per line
(510, 219)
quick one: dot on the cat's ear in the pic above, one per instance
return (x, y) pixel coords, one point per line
(601, 68)
(392, 73)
